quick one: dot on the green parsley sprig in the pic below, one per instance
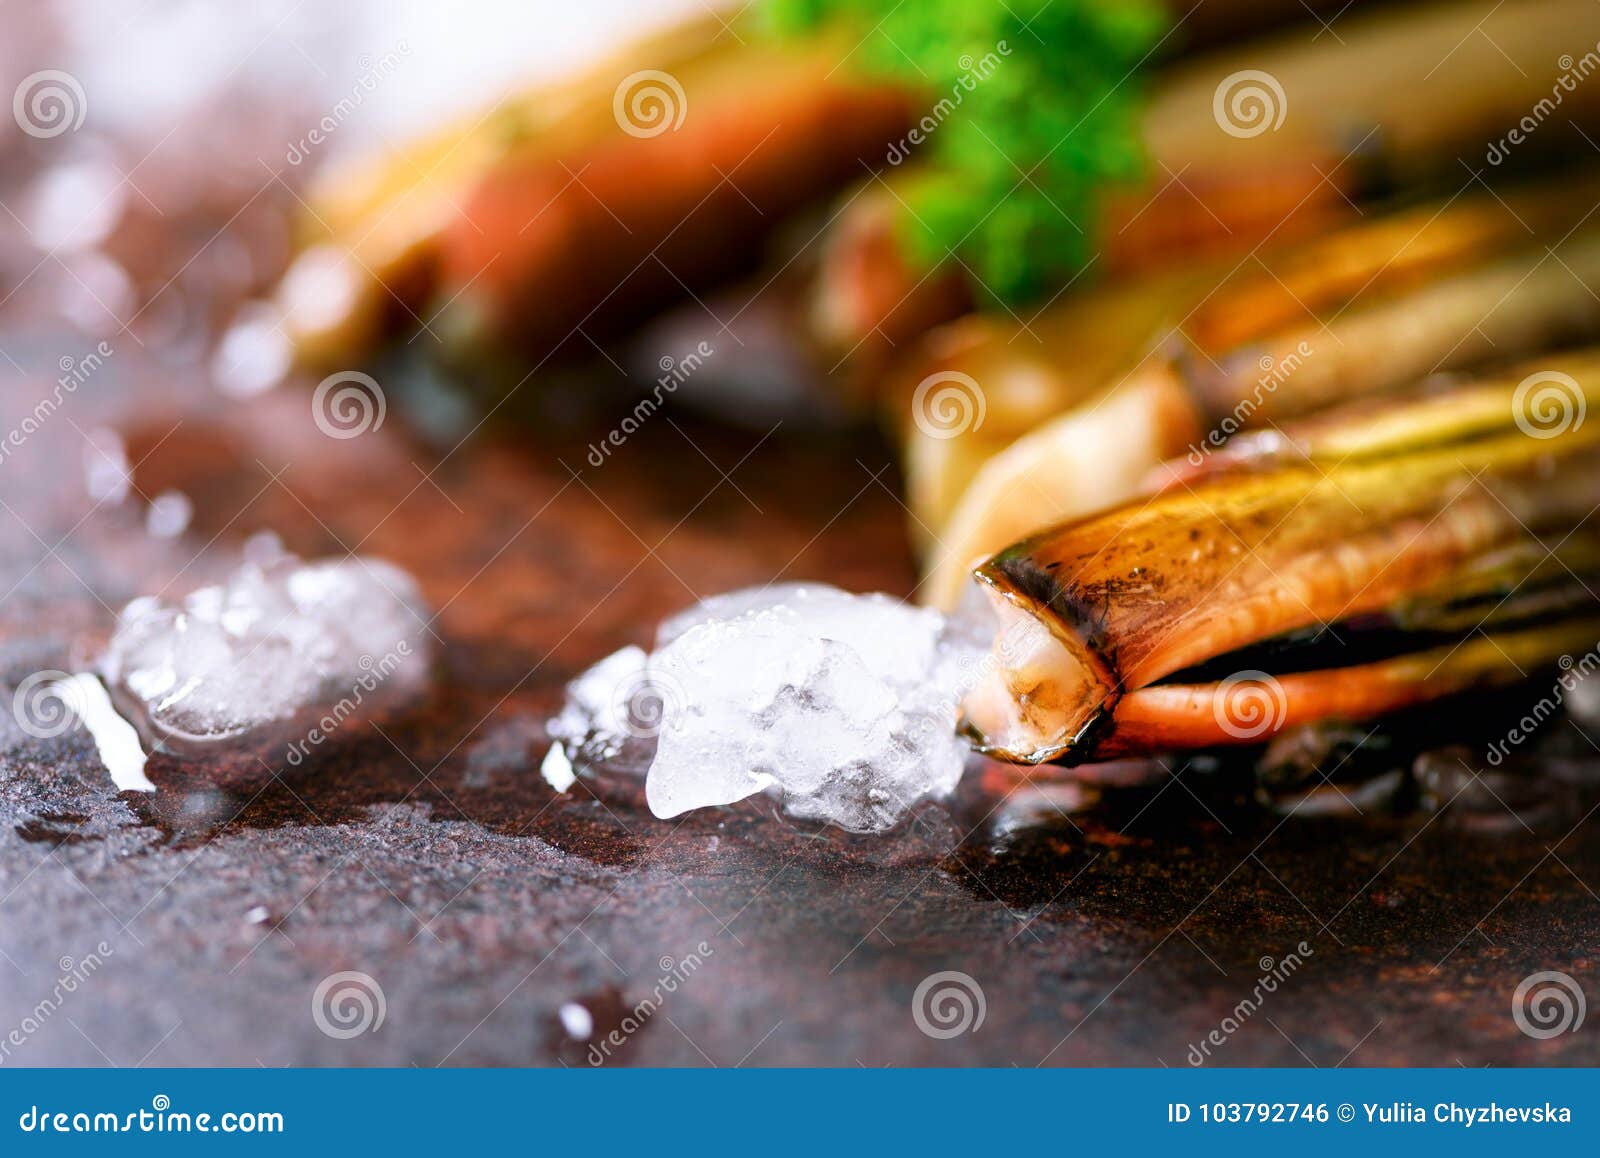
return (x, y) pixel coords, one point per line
(1034, 111)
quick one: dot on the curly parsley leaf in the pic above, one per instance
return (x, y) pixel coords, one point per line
(1033, 111)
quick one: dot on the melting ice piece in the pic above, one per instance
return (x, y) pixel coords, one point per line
(114, 737)
(557, 769)
(273, 656)
(844, 704)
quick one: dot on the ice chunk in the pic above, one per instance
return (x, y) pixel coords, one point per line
(844, 705)
(279, 654)
(557, 769)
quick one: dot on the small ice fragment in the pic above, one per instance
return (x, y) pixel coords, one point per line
(257, 915)
(577, 1021)
(115, 738)
(291, 651)
(263, 549)
(557, 769)
(845, 705)
(168, 515)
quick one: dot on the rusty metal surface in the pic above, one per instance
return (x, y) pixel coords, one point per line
(428, 854)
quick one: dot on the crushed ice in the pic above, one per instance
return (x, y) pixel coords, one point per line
(845, 705)
(267, 660)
